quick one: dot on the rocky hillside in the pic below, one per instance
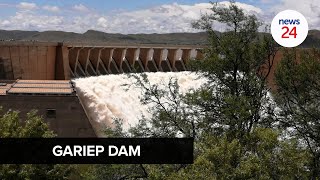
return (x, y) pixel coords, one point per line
(91, 36)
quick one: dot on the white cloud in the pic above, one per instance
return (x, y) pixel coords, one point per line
(51, 8)
(30, 21)
(5, 23)
(102, 22)
(80, 7)
(165, 18)
(162, 19)
(309, 8)
(27, 6)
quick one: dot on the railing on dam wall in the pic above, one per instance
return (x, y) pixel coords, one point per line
(100, 60)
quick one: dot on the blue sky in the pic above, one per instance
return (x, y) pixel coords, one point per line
(133, 16)
(103, 5)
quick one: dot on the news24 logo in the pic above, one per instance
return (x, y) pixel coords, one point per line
(289, 28)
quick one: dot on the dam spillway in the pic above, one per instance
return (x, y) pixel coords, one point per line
(61, 61)
(109, 97)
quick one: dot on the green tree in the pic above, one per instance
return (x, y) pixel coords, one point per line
(237, 64)
(11, 126)
(266, 157)
(232, 117)
(298, 82)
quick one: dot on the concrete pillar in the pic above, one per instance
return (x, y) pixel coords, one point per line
(24, 57)
(42, 61)
(199, 55)
(33, 62)
(51, 62)
(73, 56)
(78, 70)
(118, 56)
(106, 57)
(146, 58)
(158, 56)
(131, 55)
(83, 57)
(94, 56)
(15, 59)
(89, 69)
(6, 62)
(62, 63)
(172, 57)
(186, 55)
(100, 67)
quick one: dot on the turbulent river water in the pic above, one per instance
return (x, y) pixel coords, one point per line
(107, 97)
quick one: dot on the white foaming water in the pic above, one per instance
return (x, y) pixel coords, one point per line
(105, 97)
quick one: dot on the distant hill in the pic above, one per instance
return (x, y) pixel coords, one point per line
(312, 40)
(15, 34)
(92, 36)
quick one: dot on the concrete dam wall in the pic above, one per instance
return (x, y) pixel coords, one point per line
(58, 61)
(27, 60)
(91, 61)
(37, 76)
(31, 74)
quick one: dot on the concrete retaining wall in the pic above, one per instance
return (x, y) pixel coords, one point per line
(69, 120)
